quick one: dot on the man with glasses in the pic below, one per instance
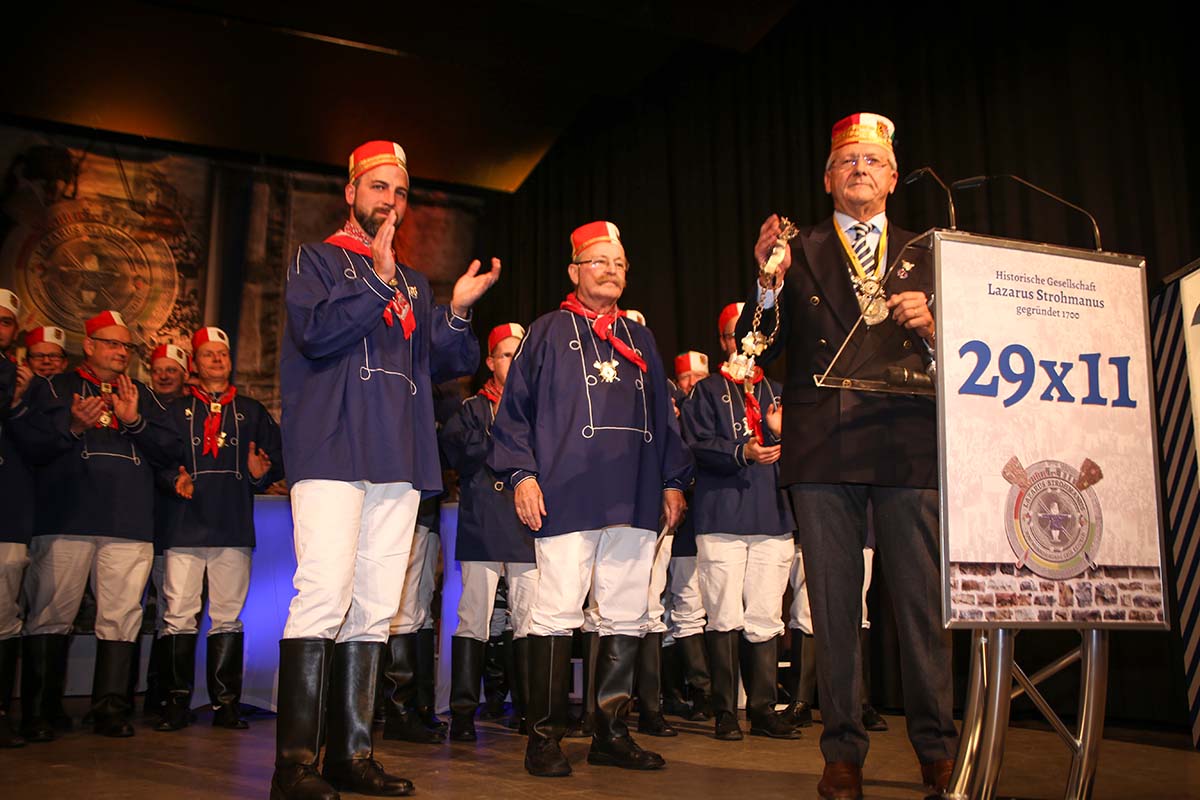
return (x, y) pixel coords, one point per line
(586, 437)
(96, 433)
(848, 453)
(16, 524)
(45, 350)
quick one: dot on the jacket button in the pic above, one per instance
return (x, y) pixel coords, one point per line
(816, 301)
(908, 344)
(822, 343)
(499, 486)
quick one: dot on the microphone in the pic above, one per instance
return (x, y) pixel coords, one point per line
(917, 174)
(903, 376)
(979, 180)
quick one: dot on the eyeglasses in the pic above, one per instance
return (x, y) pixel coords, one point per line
(128, 347)
(850, 162)
(45, 357)
(603, 263)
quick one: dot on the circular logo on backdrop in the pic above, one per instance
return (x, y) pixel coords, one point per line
(1052, 516)
(90, 256)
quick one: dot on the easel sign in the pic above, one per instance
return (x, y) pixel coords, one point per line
(1050, 506)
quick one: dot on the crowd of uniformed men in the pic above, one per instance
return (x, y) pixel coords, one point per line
(606, 510)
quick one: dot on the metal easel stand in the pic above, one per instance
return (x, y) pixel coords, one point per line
(990, 692)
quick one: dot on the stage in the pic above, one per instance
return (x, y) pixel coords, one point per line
(202, 762)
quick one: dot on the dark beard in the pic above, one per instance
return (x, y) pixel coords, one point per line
(369, 222)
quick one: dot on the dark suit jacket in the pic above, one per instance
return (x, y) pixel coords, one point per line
(837, 435)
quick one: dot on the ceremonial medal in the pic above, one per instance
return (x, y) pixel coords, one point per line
(105, 419)
(106, 388)
(214, 407)
(874, 310)
(753, 343)
(607, 369)
(739, 366)
(221, 439)
(412, 292)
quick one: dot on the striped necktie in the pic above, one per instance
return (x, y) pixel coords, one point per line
(862, 248)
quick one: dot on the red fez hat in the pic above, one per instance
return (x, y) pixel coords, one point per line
(585, 236)
(171, 353)
(9, 300)
(502, 332)
(105, 319)
(729, 312)
(368, 156)
(869, 128)
(48, 334)
(691, 361)
(206, 335)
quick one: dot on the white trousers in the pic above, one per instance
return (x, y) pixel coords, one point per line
(59, 569)
(13, 558)
(742, 581)
(655, 610)
(801, 613)
(228, 571)
(610, 568)
(687, 607)
(416, 601)
(352, 544)
(478, 599)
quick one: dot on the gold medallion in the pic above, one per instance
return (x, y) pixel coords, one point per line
(105, 419)
(608, 370)
(214, 407)
(221, 439)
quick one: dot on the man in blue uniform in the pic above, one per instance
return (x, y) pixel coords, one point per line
(848, 453)
(491, 543)
(16, 487)
(743, 536)
(95, 432)
(587, 438)
(363, 348)
(232, 450)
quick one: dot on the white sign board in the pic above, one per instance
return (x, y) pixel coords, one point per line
(1048, 455)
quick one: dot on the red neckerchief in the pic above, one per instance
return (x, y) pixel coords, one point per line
(85, 372)
(492, 391)
(602, 326)
(212, 423)
(753, 409)
(352, 238)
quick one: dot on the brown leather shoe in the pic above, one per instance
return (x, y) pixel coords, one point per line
(842, 780)
(936, 775)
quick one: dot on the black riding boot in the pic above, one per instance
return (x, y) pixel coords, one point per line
(225, 680)
(350, 764)
(649, 688)
(549, 700)
(399, 675)
(760, 691)
(693, 652)
(674, 698)
(585, 726)
(723, 663)
(41, 676)
(424, 698)
(616, 661)
(8, 673)
(177, 671)
(496, 670)
(304, 670)
(802, 680)
(520, 682)
(111, 708)
(155, 699)
(466, 668)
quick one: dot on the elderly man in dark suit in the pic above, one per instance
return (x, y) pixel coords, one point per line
(847, 453)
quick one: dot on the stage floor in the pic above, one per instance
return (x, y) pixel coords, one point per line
(201, 762)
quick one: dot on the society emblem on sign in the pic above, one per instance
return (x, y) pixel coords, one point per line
(1052, 516)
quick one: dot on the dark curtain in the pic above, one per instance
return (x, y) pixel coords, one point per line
(1099, 111)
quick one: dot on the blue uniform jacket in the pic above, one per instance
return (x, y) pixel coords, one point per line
(357, 403)
(488, 528)
(603, 452)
